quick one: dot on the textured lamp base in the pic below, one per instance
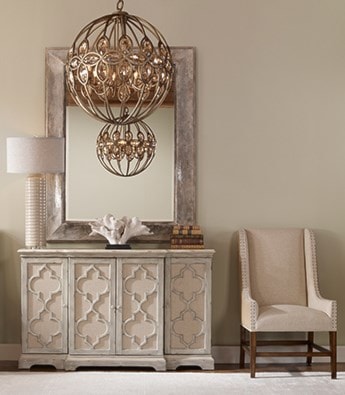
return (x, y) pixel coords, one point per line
(35, 211)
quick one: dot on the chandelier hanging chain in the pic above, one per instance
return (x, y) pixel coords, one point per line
(120, 5)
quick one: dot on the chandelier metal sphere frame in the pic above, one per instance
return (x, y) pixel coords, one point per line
(119, 68)
(126, 150)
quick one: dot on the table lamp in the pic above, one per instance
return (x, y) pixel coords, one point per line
(35, 156)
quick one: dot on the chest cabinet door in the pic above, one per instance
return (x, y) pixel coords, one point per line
(44, 305)
(92, 301)
(188, 306)
(140, 306)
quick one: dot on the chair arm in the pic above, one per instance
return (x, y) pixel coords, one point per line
(249, 310)
(326, 305)
(315, 300)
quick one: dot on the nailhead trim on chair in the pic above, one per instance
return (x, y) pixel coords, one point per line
(244, 254)
(253, 314)
(315, 279)
(313, 263)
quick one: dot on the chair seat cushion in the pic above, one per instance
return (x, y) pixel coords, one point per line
(292, 318)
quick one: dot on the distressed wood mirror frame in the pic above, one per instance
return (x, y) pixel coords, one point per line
(61, 230)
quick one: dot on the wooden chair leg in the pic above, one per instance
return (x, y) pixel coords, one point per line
(333, 349)
(252, 354)
(242, 353)
(310, 346)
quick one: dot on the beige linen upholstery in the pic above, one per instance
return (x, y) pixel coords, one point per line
(279, 286)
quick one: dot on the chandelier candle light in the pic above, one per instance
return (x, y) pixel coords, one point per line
(119, 70)
(35, 156)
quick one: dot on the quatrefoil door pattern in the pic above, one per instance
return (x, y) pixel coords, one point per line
(140, 297)
(44, 304)
(92, 300)
(187, 326)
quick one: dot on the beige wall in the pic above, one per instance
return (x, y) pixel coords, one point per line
(271, 125)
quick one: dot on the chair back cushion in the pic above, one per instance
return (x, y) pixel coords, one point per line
(277, 266)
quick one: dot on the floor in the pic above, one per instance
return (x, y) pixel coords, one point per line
(134, 382)
(317, 367)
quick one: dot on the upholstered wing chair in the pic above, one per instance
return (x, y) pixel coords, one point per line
(280, 293)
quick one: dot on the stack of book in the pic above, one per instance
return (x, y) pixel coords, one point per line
(187, 236)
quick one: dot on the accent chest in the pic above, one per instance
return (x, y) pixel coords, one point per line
(93, 307)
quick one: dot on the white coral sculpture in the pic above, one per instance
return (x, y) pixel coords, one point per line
(118, 231)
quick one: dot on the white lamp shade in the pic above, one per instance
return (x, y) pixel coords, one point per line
(33, 155)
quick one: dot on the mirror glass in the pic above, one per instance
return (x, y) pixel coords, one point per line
(88, 182)
(166, 188)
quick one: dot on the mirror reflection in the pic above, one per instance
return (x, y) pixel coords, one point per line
(148, 195)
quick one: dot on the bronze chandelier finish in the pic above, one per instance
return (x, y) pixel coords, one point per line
(119, 68)
(126, 150)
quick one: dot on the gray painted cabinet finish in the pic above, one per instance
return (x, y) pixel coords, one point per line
(92, 307)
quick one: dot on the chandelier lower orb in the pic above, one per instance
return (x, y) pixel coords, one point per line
(119, 68)
(126, 150)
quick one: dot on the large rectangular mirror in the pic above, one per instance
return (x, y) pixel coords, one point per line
(64, 227)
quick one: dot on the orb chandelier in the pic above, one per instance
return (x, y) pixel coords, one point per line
(119, 68)
(126, 150)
